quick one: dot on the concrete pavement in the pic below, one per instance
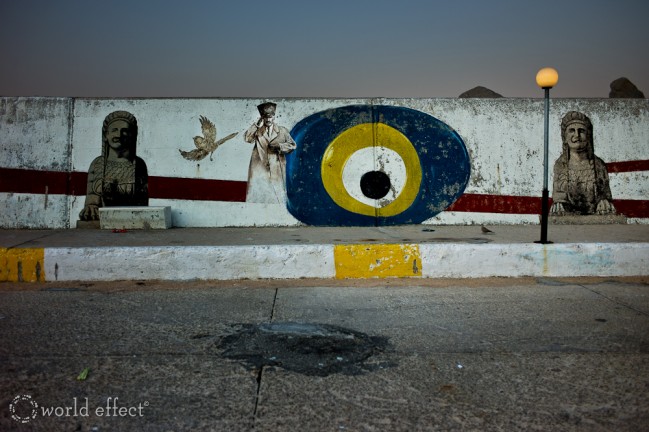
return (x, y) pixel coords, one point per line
(417, 251)
(456, 355)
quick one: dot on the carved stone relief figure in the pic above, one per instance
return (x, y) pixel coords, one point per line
(581, 185)
(267, 170)
(118, 177)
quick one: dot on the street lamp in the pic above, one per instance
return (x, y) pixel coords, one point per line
(546, 78)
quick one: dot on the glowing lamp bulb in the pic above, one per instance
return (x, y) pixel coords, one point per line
(547, 77)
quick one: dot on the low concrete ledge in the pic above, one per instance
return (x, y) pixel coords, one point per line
(438, 260)
(135, 217)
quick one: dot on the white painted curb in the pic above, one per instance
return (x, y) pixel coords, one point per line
(189, 263)
(522, 259)
(318, 261)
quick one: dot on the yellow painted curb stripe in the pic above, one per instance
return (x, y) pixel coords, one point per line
(22, 265)
(377, 261)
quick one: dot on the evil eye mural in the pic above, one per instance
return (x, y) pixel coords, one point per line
(365, 165)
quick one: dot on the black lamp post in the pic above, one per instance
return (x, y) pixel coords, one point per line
(546, 78)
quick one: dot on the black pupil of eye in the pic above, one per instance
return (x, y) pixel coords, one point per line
(375, 184)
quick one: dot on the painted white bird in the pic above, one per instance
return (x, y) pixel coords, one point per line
(207, 143)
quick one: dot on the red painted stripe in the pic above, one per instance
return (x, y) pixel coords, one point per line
(61, 183)
(37, 182)
(197, 189)
(14, 180)
(632, 208)
(497, 204)
(627, 166)
(532, 205)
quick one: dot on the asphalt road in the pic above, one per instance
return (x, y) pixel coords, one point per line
(375, 355)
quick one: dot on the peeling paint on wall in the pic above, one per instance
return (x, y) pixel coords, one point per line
(47, 145)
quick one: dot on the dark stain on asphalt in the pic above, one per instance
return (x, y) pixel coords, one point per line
(306, 348)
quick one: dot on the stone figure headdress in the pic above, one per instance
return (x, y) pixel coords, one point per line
(119, 115)
(577, 117)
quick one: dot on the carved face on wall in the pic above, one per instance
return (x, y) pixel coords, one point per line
(576, 136)
(119, 135)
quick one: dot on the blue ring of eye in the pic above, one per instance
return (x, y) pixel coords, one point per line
(445, 165)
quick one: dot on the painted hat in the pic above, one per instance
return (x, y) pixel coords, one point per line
(267, 109)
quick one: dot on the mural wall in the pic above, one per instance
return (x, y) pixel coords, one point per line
(285, 162)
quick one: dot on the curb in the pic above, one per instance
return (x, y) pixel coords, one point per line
(325, 261)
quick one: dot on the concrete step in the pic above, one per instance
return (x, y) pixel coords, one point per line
(322, 252)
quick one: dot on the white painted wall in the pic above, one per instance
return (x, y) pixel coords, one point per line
(504, 138)
(35, 134)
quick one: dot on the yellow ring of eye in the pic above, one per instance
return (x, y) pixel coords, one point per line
(369, 135)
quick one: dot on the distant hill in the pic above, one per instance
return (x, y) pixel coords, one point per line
(624, 88)
(480, 92)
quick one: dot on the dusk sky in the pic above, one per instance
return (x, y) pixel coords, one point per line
(333, 48)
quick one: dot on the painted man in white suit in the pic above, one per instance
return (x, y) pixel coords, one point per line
(267, 171)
